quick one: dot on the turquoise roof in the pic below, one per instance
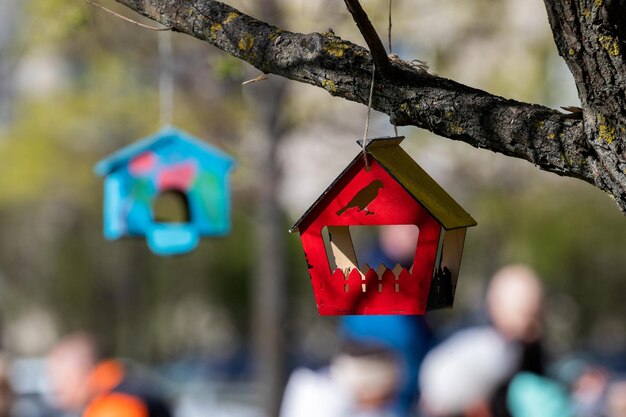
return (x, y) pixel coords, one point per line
(163, 137)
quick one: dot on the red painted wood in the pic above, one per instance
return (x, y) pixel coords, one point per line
(142, 163)
(390, 204)
(177, 177)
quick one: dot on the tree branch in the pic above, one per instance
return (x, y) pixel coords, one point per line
(547, 138)
(381, 60)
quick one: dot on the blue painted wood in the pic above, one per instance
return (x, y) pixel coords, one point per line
(168, 160)
(172, 239)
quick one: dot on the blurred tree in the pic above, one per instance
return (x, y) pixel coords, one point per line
(269, 288)
(587, 144)
(8, 32)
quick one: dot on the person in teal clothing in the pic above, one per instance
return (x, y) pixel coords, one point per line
(409, 337)
(532, 395)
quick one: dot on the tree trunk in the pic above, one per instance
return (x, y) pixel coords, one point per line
(269, 283)
(591, 37)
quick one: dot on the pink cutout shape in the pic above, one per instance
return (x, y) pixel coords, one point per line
(142, 164)
(177, 177)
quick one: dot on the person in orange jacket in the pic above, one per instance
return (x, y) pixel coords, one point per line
(83, 382)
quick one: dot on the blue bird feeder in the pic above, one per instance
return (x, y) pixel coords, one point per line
(168, 162)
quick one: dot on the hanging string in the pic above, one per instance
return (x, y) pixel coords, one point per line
(166, 79)
(367, 119)
(389, 29)
(134, 22)
(395, 128)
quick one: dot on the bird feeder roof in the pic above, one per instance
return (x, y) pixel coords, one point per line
(163, 137)
(421, 186)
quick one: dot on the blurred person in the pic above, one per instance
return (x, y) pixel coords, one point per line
(84, 383)
(474, 371)
(589, 390)
(515, 304)
(461, 375)
(409, 337)
(532, 395)
(359, 382)
(616, 399)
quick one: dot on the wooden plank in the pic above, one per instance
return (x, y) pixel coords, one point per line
(453, 252)
(422, 186)
(342, 247)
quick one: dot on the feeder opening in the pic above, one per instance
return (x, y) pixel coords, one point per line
(350, 247)
(171, 206)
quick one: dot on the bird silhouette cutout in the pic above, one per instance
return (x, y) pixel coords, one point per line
(363, 198)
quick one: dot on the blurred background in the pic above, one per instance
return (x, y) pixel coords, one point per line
(221, 328)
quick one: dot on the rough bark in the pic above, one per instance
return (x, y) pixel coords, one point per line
(591, 38)
(590, 35)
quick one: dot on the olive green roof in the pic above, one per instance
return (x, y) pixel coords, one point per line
(414, 180)
(418, 183)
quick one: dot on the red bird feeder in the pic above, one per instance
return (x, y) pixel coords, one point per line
(391, 189)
